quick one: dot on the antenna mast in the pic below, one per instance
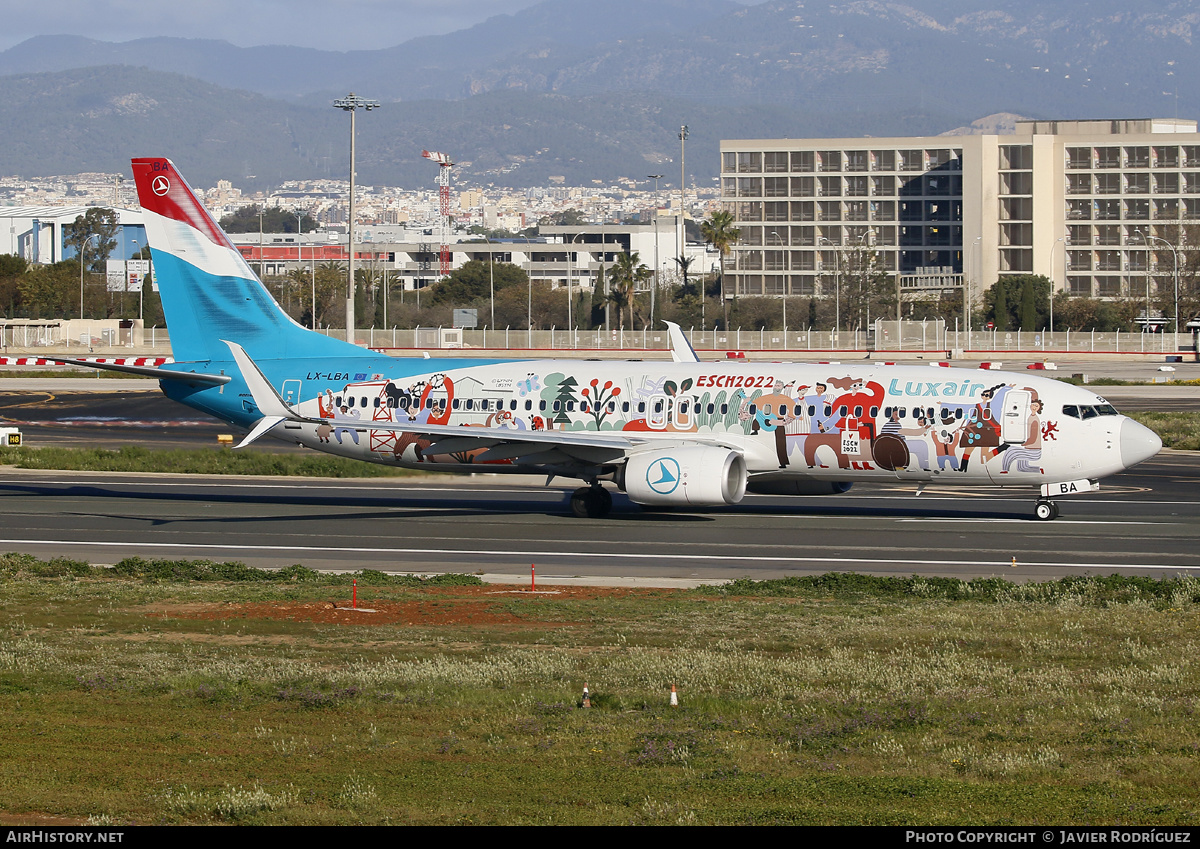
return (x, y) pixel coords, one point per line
(443, 182)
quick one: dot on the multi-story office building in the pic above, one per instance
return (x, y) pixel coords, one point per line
(1089, 204)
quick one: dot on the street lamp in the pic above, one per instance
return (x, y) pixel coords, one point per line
(572, 265)
(491, 278)
(82, 264)
(837, 286)
(1062, 239)
(1176, 258)
(655, 178)
(351, 103)
(683, 137)
(775, 241)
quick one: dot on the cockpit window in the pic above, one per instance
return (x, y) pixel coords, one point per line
(1107, 410)
(1071, 410)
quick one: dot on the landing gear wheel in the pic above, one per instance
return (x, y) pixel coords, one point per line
(591, 502)
(1046, 510)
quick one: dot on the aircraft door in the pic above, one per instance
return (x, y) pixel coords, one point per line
(291, 392)
(685, 411)
(1014, 418)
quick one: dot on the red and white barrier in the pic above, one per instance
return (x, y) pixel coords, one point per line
(116, 361)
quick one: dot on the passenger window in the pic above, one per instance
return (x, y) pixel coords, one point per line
(874, 412)
(529, 404)
(753, 409)
(454, 405)
(724, 409)
(350, 401)
(712, 408)
(338, 401)
(542, 406)
(641, 406)
(858, 411)
(625, 406)
(557, 406)
(958, 413)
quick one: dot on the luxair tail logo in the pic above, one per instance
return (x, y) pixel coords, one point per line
(663, 476)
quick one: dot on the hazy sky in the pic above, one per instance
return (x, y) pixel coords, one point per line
(327, 24)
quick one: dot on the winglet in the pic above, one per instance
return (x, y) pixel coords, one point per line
(681, 349)
(265, 397)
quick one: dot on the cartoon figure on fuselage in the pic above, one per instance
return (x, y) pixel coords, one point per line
(686, 433)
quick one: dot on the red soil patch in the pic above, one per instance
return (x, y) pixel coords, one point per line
(487, 605)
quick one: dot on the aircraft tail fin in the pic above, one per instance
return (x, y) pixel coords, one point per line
(208, 291)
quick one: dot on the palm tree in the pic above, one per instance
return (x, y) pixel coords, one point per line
(719, 232)
(625, 273)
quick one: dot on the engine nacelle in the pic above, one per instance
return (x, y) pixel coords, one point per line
(696, 475)
(795, 486)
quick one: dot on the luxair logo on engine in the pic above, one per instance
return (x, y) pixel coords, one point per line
(663, 476)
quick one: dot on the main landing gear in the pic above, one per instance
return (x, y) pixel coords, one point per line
(1045, 509)
(591, 502)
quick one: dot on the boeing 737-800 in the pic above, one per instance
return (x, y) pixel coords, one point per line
(686, 433)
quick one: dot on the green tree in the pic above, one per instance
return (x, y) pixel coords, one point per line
(1028, 309)
(1000, 309)
(97, 228)
(1018, 300)
(51, 291)
(718, 231)
(12, 269)
(567, 218)
(867, 289)
(275, 219)
(473, 280)
(627, 271)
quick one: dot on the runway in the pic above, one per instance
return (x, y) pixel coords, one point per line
(1142, 522)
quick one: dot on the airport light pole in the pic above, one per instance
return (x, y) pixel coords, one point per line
(352, 103)
(655, 178)
(82, 265)
(683, 137)
(1176, 257)
(1062, 239)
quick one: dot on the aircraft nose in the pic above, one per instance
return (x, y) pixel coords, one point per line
(1138, 443)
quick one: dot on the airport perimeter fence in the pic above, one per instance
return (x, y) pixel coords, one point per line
(884, 336)
(932, 337)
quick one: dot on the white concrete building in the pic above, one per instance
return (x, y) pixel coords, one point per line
(1085, 203)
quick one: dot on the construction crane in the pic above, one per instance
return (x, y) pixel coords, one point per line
(443, 182)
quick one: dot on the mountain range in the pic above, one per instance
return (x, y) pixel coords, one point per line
(591, 89)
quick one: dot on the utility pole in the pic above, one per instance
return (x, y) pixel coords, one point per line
(683, 135)
(655, 178)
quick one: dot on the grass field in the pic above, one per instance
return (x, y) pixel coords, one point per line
(196, 693)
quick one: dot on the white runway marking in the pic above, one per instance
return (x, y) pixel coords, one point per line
(534, 555)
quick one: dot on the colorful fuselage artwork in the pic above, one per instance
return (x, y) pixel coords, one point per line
(822, 422)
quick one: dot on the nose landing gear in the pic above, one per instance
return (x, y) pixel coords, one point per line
(1046, 510)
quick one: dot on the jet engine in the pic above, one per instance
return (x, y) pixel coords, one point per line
(696, 475)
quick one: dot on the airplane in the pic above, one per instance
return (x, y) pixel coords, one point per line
(685, 434)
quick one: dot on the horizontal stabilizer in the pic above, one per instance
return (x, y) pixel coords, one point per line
(261, 426)
(149, 371)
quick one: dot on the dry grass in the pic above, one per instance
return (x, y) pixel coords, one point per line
(855, 706)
